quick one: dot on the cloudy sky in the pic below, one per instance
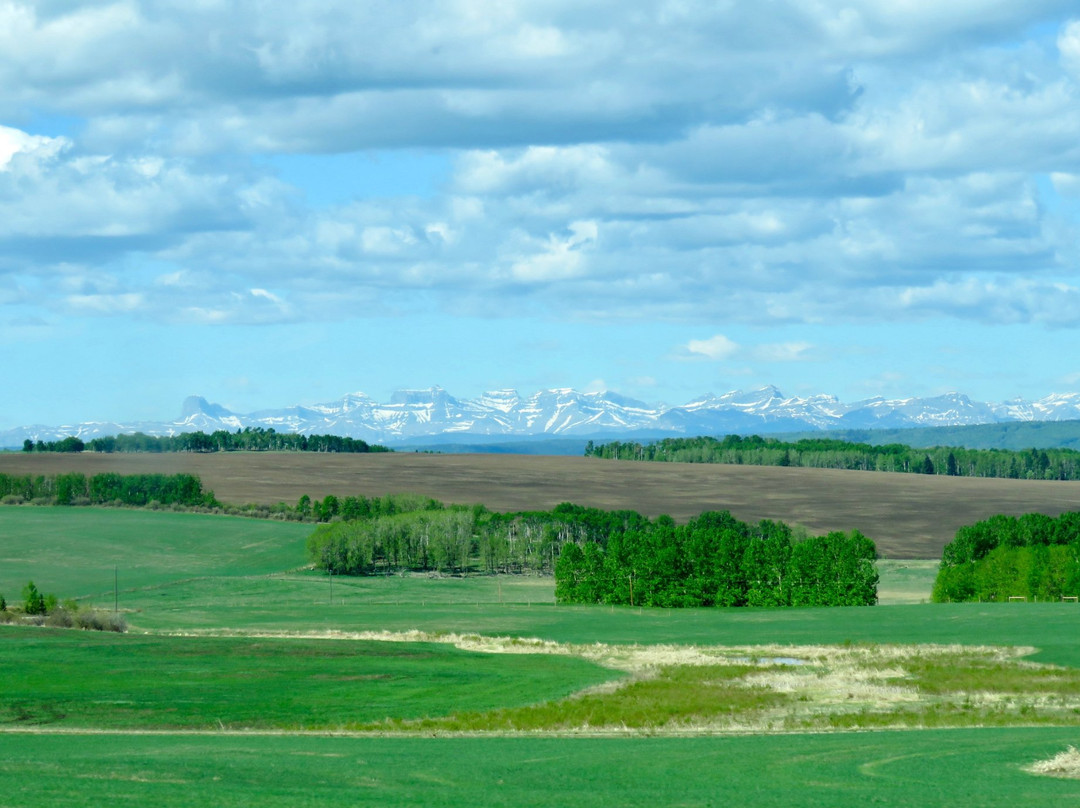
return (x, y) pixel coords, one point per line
(269, 203)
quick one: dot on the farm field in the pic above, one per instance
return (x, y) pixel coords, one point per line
(157, 682)
(142, 548)
(908, 516)
(204, 573)
(241, 664)
(263, 606)
(958, 768)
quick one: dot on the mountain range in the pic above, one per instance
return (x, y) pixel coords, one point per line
(435, 416)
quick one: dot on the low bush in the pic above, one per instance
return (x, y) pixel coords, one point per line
(98, 620)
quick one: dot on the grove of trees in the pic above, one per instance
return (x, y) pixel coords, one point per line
(716, 560)
(1038, 464)
(617, 557)
(1034, 556)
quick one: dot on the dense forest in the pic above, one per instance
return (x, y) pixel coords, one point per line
(249, 439)
(618, 557)
(106, 489)
(1034, 556)
(1031, 464)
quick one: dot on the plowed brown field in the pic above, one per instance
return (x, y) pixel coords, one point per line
(907, 515)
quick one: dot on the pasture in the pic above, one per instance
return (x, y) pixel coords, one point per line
(909, 516)
(83, 552)
(955, 768)
(156, 682)
(241, 666)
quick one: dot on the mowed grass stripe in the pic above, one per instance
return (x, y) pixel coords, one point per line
(959, 768)
(61, 679)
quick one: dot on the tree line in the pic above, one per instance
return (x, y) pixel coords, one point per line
(1034, 556)
(106, 489)
(754, 450)
(249, 439)
(618, 557)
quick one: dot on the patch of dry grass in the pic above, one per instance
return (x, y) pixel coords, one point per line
(676, 689)
(1063, 764)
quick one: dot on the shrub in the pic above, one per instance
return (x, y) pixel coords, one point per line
(96, 620)
(60, 618)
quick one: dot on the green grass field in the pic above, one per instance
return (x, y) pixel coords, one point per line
(73, 552)
(198, 589)
(957, 769)
(140, 681)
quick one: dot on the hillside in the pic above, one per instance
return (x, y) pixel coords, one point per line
(1013, 435)
(908, 516)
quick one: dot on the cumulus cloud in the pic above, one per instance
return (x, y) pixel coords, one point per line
(703, 162)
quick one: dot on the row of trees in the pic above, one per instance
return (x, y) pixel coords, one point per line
(1032, 556)
(1038, 464)
(249, 439)
(609, 556)
(106, 489)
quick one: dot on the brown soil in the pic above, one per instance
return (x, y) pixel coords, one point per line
(907, 515)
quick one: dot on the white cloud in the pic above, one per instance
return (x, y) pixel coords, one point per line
(1068, 43)
(1066, 184)
(558, 258)
(718, 347)
(15, 141)
(751, 163)
(998, 301)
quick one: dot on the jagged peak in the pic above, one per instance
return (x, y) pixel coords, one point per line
(564, 411)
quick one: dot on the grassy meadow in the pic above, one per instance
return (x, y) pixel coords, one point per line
(241, 666)
(82, 552)
(960, 768)
(156, 682)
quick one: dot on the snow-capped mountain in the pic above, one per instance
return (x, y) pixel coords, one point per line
(431, 413)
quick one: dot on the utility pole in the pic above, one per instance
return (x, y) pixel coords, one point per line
(116, 590)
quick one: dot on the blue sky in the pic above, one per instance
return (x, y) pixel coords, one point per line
(270, 204)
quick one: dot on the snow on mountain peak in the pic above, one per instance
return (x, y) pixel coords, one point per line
(564, 411)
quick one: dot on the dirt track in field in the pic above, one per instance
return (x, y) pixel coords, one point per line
(907, 515)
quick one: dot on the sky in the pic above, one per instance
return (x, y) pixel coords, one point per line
(270, 204)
